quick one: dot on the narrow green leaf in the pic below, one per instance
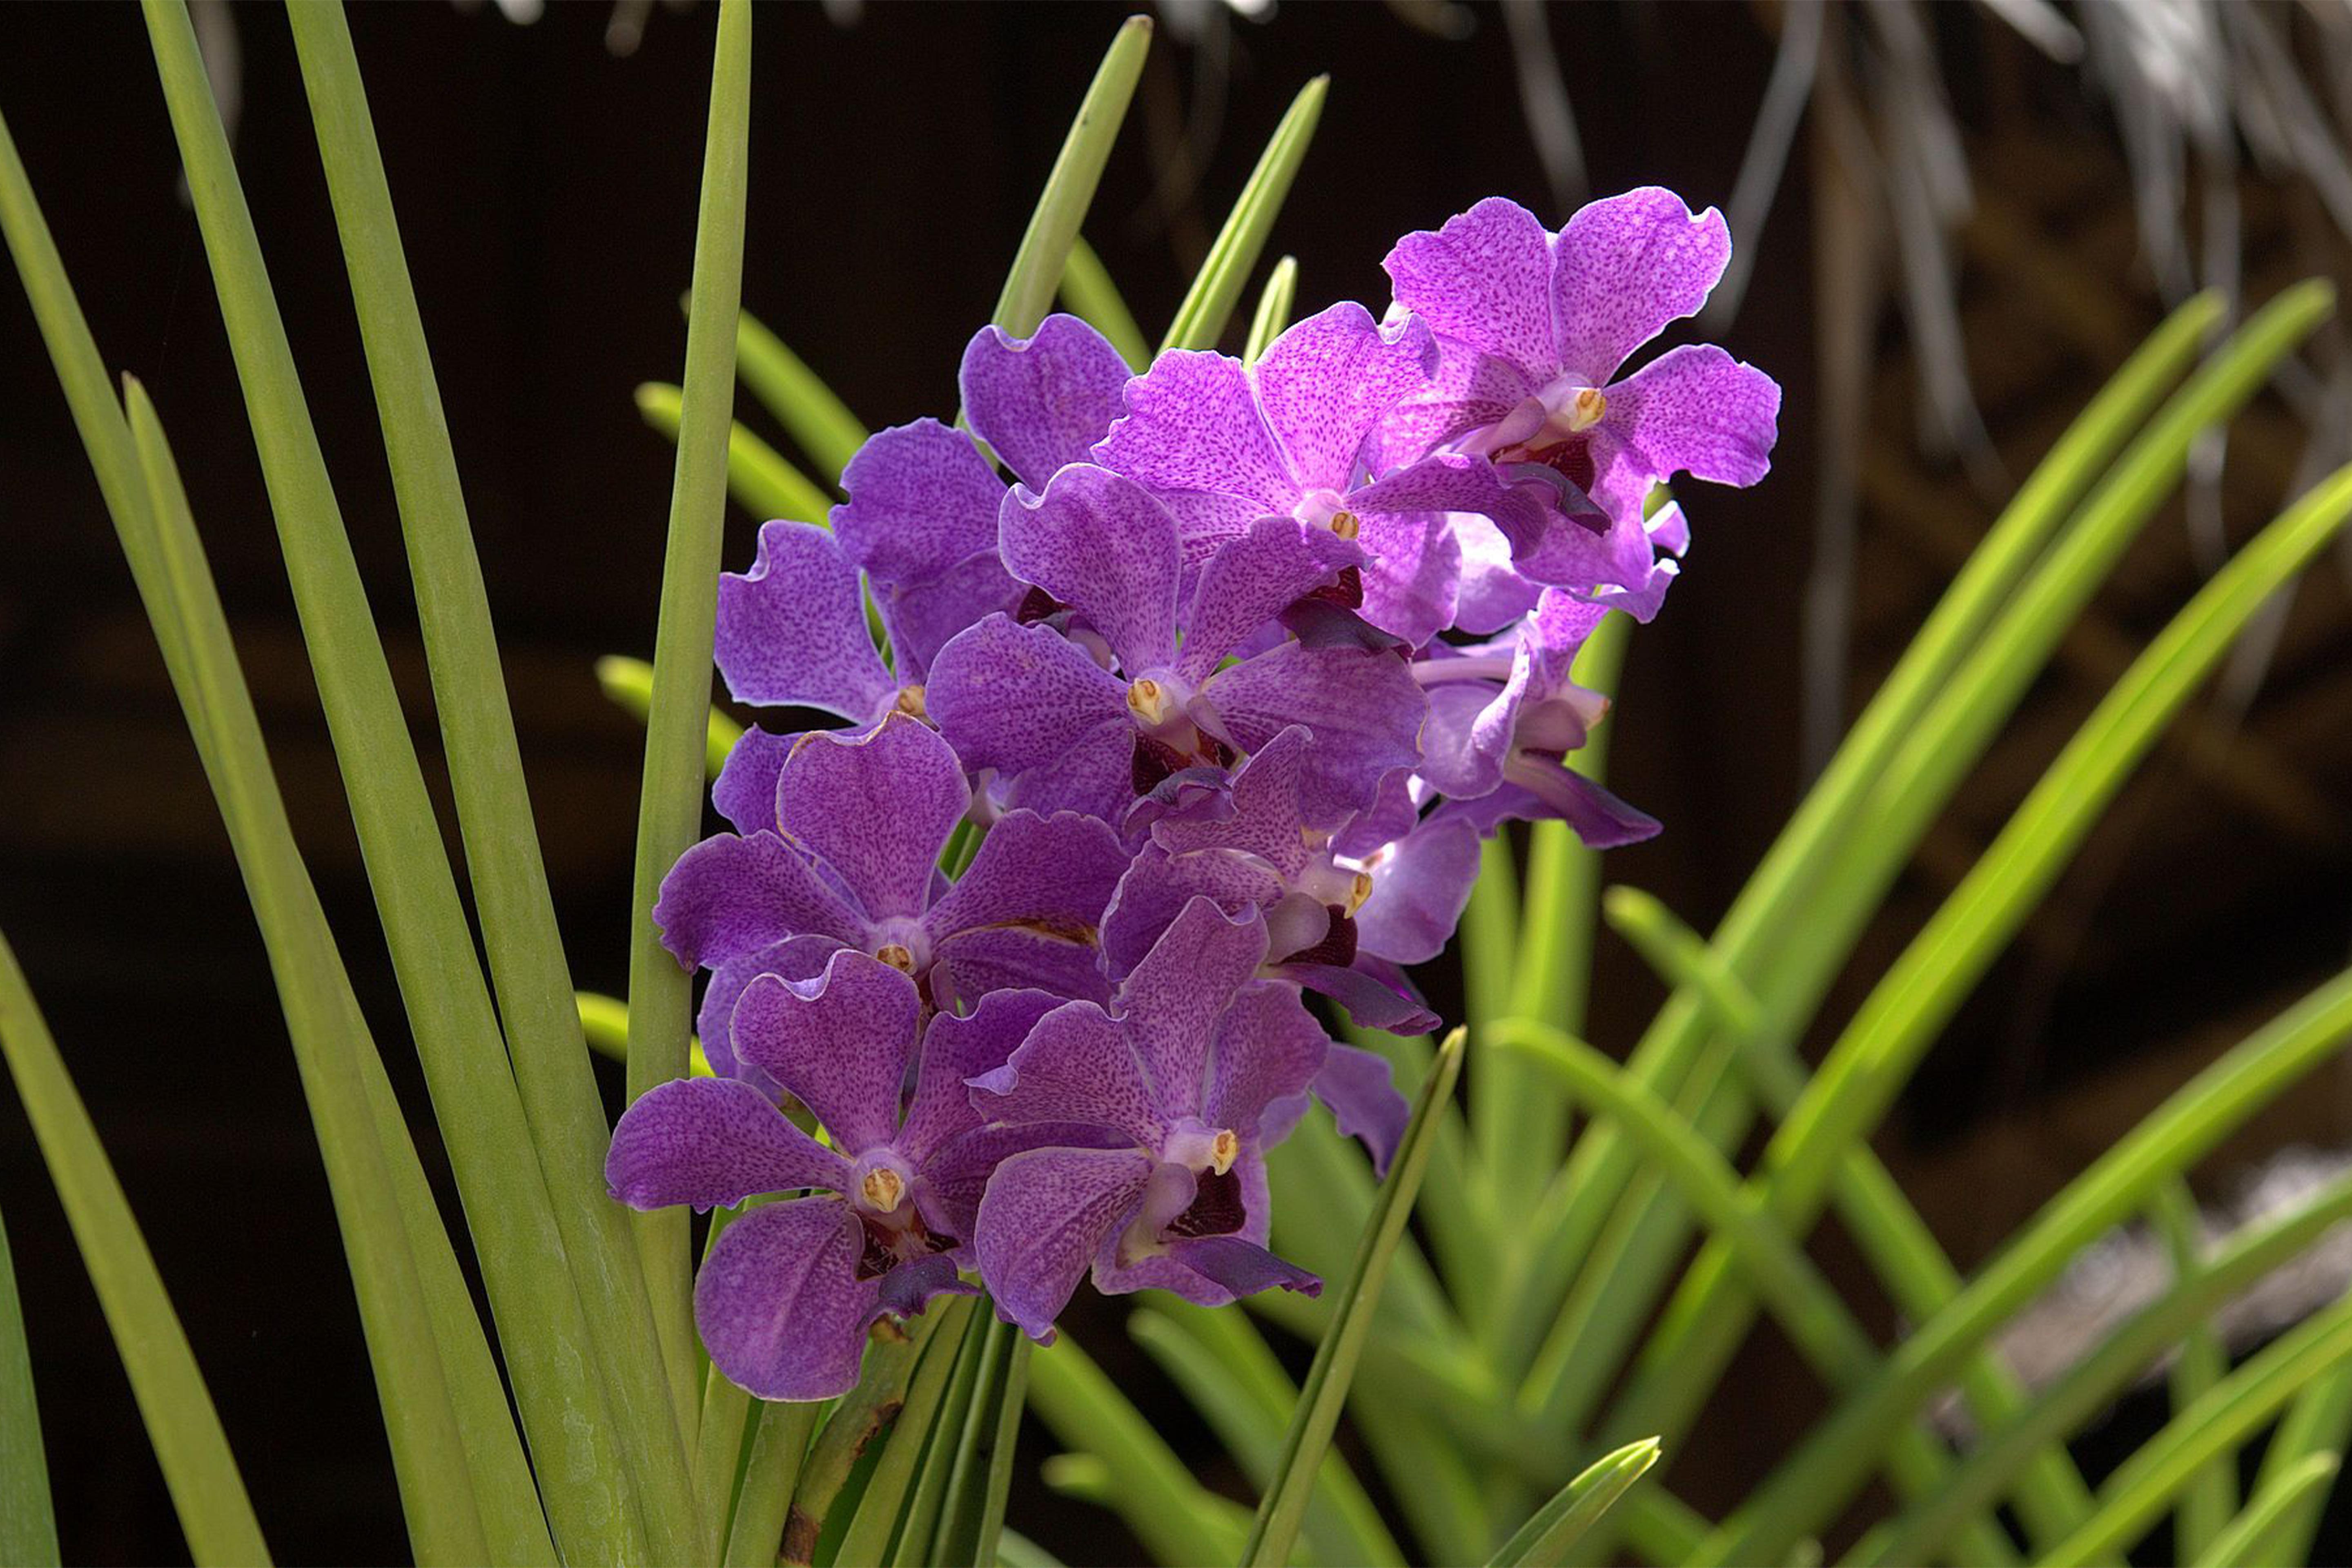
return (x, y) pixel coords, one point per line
(1088, 293)
(1149, 1487)
(508, 1206)
(2318, 1423)
(1020, 1552)
(1324, 1391)
(629, 682)
(854, 1422)
(972, 1515)
(779, 1446)
(1543, 1541)
(669, 805)
(2092, 1384)
(1053, 229)
(2255, 1535)
(803, 403)
(206, 1486)
(1209, 304)
(1680, 955)
(28, 1529)
(761, 479)
(1839, 1451)
(877, 1520)
(915, 1542)
(2210, 1501)
(1273, 309)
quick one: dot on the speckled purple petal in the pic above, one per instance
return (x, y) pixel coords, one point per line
(1527, 502)
(951, 1184)
(1192, 424)
(1419, 889)
(1464, 742)
(1624, 267)
(1160, 886)
(1262, 819)
(729, 896)
(1251, 580)
(1471, 391)
(1098, 542)
(1268, 1046)
(969, 964)
(1239, 1268)
(1492, 593)
(1411, 587)
(1170, 1001)
(876, 808)
(1599, 817)
(1361, 705)
(1028, 703)
(1483, 280)
(1056, 871)
(840, 1044)
(1042, 402)
(1327, 382)
(745, 790)
(779, 1304)
(922, 616)
(959, 1048)
(1044, 1217)
(1692, 410)
(1376, 994)
(1078, 1065)
(1362, 1094)
(795, 958)
(710, 1142)
(791, 630)
(921, 499)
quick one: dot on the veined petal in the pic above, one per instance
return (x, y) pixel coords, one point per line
(729, 896)
(709, 1141)
(1024, 700)
(1359, 704)
(1264, 820)
(1362, 1094)
(959, 1048)
(1543, 792)
(1268, 1046)
(791, 630)
(1483, 280)
(1076, 1065)
(779, 1304)
(922, 617)
(876, 808)
(1170, 1001)
(979, 959)
(1693, 410)
(1327, 382)
(1253, 578)
(1192, 424)
(795, 958)
(745, 790)
(921, 499)
(1160, 886)
(1419, 889)
(1043, 1219)
(1041, 401)
(1624, 267)
(1411, 588)
(1098, 542)
(840, 1042)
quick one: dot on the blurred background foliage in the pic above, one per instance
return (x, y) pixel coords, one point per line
(1973, 215)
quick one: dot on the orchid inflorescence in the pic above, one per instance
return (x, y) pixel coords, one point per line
(1209, 705)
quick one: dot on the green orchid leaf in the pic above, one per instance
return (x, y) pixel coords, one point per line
(803, 403)
(1543, 1541)
(761, 479)
(29, 1528)
(1274, 304)
(1088, 293)
(1217, 287)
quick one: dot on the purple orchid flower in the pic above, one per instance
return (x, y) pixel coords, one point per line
(846, 857)
(1504, 717)
(1534, 329)
(789, 1289)
(1224, 444)
(1179, 1081)
(1088, 717)
(1340, 923)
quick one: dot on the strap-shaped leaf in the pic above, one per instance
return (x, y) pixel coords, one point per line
(1274, 302)
(803, 403)
(1324, 1392)
(761, 479)
(2258, 1533)
(1088, 293)
(1545, 1539)
(1146, 1484)
(780, 1443)
(1217, 287)
(181, 1422)
(888, 1487)
(854, 1423)
(29, 1528)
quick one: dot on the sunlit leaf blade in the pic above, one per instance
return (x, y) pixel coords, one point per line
(1053, 229)
(438, 1493)
(2258, 1533)
(563, 1394)
(761, 479)
(508, 876)
(2093, 1384)
(1679, 954)
(1545, 1539)
(778, 1443)
(1088, 293)
(2319, 1423)
(629, 682)
(1839, 1452)
(517, 1534)
(1324, 1392)
(28, 1529)
(2210, 1501)
(803, 403)
(1217, 287)
(181, 1423)
(1273, 309)
(669, 803)
(1149, 1487)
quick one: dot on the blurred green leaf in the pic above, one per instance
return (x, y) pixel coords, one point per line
(1273, 309)
(2258, 1533)
(1324, 1392)
(2209, 1500)
(1545, 1539)
(669, 805)
(189, 1444)
(1088, 293)
(1172, 1514)
(801, 401)
(1069, 190)
(629, 682)
(2318, 1424)
(1209, 304)
(760, 479)
(28, 1529)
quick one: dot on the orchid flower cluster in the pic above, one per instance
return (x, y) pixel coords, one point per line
(1170, 697)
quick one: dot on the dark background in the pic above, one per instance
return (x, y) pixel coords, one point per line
(546, 191)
